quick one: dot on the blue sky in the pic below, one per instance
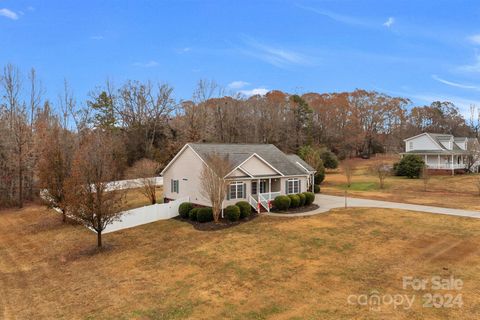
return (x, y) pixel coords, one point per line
(423, 50)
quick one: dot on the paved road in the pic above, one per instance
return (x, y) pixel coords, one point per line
(327, 202)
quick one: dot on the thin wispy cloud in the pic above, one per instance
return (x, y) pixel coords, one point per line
(390, 21)
(97, 37)
(455, 84)
(335, 16)
(253, 92)
(7, 13)
(30, 8)
(149, 64)
(475, 39)
(471, 68)
(237, 84)
(273, 55)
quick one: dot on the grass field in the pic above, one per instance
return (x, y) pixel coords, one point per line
(459, 191)
(268, 268)
(134, 198)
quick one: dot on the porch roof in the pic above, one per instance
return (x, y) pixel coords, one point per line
(437, 152)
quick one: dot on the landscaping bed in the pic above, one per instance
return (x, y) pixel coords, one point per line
(224, 223)
(303, 209)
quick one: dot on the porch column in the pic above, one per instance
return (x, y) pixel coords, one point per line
(438, 161)
(313, 182)
(426, 160)
(269, 188)
(453, 170)
(258, 189)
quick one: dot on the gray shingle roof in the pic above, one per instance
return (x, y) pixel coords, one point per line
(294, 158)
(237, 153)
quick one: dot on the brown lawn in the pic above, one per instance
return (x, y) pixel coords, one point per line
(134, 198)
(459, 191)
(268, 268)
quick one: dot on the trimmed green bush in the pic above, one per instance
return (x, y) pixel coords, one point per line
(184, 209)
(302, 199)
(410, 166)
(330, 160)
(245, 209)
(192, 215)
(205, 215)
(316, 188)
(232, 213)
(320, 174)
(281, 202)
(310, 197)
(294, 200)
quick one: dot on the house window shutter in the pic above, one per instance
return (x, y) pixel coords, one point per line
(244, 190)
(178, 186)
(286, 186)
(171, 185)
(299, 186)
(228, 191)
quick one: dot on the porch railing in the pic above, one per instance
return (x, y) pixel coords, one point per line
(253, 203)
(448, 166)
(266, 198)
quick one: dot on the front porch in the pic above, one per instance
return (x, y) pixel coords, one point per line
(263, 192)
(450, 162)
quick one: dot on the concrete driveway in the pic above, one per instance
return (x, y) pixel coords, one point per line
(327, 202)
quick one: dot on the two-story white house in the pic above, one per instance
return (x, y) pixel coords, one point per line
(443, 151)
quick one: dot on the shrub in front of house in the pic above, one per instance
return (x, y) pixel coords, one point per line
(184, 209)
(409, 166)
(204, 215)
(316, 188)
(192, 215)
(309, 198)
(232, 213)
(294, 200)
(245, 209)
(303, 199)
(281, 202)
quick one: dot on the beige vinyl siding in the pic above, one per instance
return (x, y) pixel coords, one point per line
(186, 169)
(257, 167)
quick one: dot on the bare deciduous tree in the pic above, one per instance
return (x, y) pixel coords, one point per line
(90, 197)
(348, 168)
(145, 170)
(425, 175)
(381, 169)
(213, 184)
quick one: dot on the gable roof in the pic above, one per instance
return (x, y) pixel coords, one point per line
(300, 162)
(438, 138)
(239, 153)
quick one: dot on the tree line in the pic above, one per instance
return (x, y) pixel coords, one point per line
(44, 142)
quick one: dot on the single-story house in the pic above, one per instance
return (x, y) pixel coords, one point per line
(443, 151)
(260, 172)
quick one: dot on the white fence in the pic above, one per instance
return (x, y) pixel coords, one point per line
(147, 214)
(131, 184)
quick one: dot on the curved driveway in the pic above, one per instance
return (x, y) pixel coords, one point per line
(327, 202)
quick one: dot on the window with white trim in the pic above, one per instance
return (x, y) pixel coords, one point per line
(236, 190)
(174, 186)
(293, 186)
(410, 145)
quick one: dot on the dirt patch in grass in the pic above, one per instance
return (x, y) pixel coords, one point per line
(268, 268)
(223, 223)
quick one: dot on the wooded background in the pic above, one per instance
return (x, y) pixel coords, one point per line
(39, 137)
